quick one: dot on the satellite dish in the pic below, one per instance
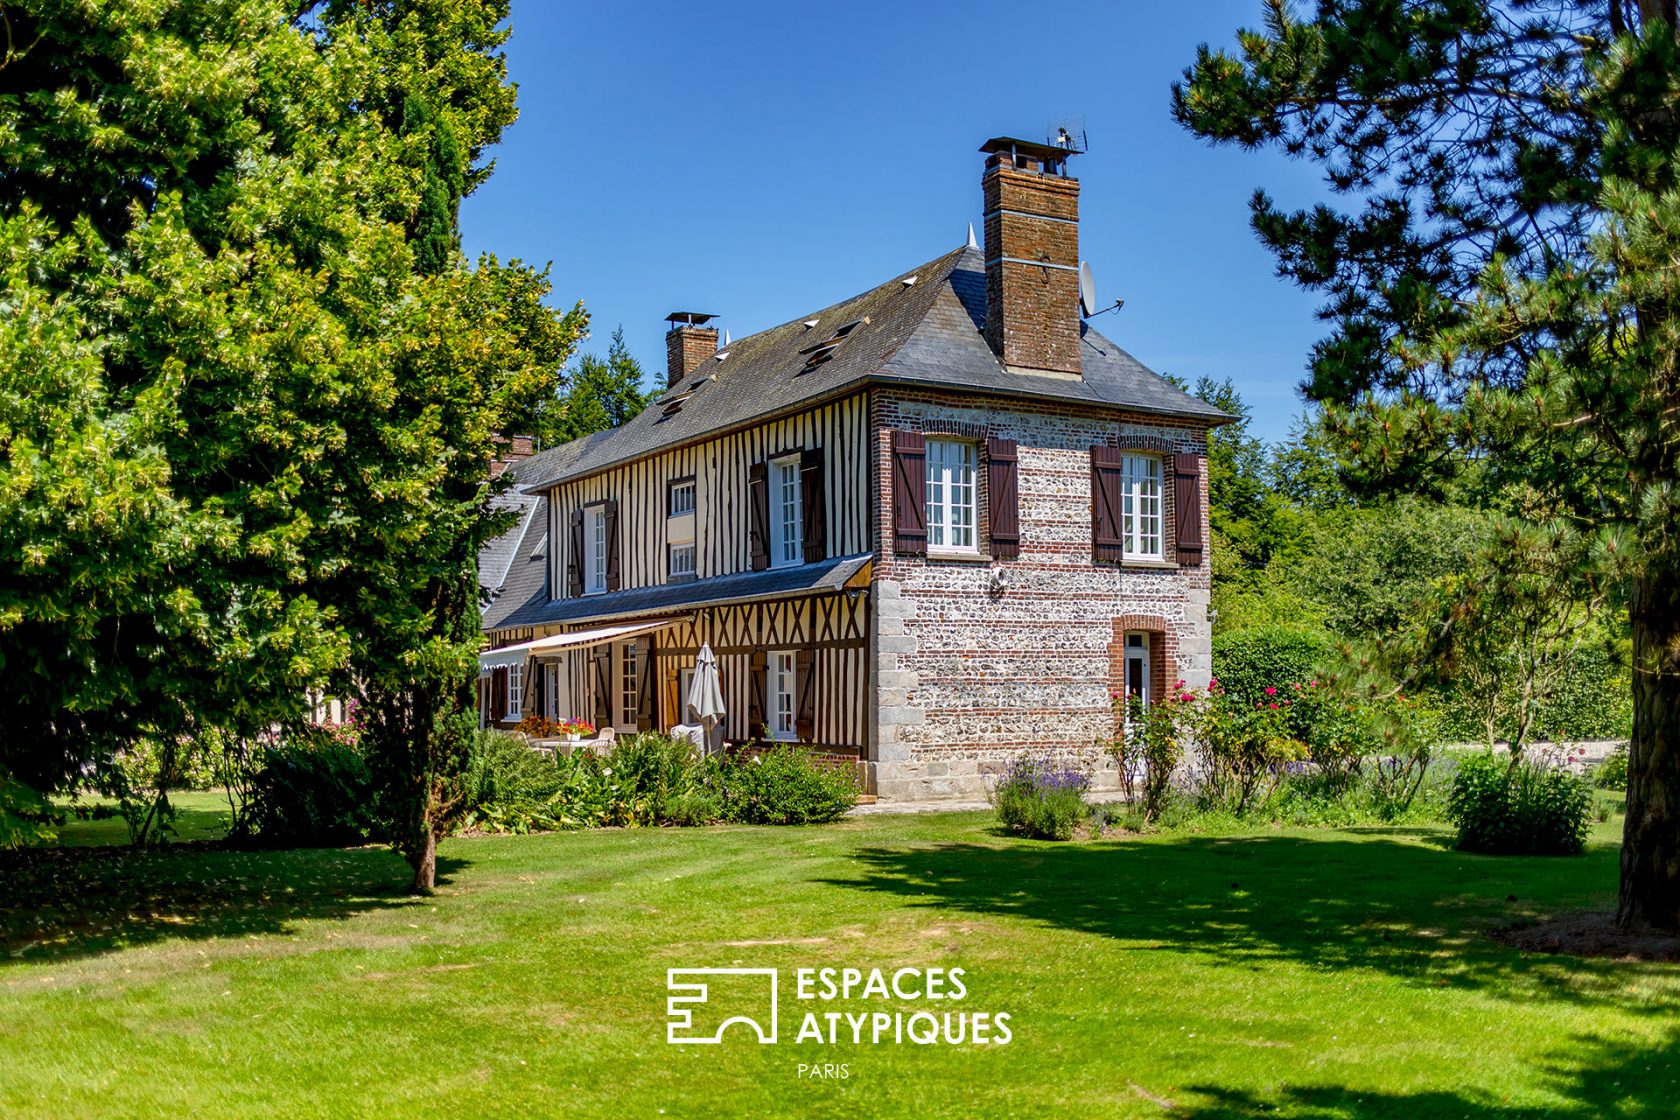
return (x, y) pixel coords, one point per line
(1087, 291)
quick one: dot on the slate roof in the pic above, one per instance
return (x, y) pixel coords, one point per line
(822, 575)
(525, 574)
(496, 557)
(925, 333)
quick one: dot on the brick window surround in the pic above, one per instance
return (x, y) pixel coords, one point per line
(1163, 651)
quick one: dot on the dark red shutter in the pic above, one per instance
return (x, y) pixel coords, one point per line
(647, 685)
(1003, 499)
(813, 498)
(805, 684)
(603, 687)
(909, 491)
(758, 515)
(612, 544)
(758, 682)
(1107, 481)
(1187, 508)
(498, 694)
(574, 557)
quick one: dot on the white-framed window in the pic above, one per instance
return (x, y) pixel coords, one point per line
(787, 527)
(950, 495)
(627, 687)
(1140, 507)
(682, 559)
(682, 497)
(784, 697)
(594, 550)
(515, 690)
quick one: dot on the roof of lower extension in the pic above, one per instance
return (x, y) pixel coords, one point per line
(524, 575)
(832, 574)
(921, 328)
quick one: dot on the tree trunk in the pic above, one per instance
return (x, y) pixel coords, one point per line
(425, 863)
(1650, 895)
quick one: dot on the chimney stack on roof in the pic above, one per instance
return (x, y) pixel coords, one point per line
(1031, 224)
(510, 450)
(688, 343)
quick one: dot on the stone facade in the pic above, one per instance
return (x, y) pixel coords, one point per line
(974, 662)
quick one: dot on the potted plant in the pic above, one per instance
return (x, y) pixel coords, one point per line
(576, 730)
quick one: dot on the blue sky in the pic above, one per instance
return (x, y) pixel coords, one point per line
(764, 160)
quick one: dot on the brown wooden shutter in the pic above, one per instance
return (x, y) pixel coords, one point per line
(1003, 499)
(909, 490)
(758, 683)
(1187, 508)
(1107, 482)
(758, 515)
(498, 694)
(805, 684)
(574, 557)
(603, 687)
(647, 684)
(612, 545)
(813, 498)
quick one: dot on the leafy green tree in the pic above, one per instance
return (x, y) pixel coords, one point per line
(166, 387)
(1498, 282)
(601, 393)
(251, 387)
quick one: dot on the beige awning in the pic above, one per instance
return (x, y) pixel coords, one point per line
(503, 656)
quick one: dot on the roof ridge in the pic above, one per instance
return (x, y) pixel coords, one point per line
(854, 297)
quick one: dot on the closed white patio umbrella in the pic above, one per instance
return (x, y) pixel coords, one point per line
(704, 703)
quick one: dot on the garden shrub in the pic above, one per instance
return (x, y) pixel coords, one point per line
(1150, 746)
(312, 788)
(785, 785)
(1518, 807)
(1040, 798)
(1247, 662)
(1612, 773)
(1246, 750)
(509, 787)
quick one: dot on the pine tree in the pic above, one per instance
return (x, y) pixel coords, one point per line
(1499, 288)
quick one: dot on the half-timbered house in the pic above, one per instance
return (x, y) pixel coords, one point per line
(928, 528)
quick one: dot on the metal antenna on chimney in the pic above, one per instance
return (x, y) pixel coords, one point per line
(1068, 134)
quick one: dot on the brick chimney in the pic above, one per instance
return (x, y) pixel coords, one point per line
(510, 450)
(1032, 257)
(688, 343)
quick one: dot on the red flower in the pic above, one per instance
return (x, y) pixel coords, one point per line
(1271, 692)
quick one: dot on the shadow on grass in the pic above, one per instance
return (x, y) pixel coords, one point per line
(1594, 1079)
(1399, 904)
(67, 903)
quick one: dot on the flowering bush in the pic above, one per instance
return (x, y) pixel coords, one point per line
(1040, 798)
(1151, 744)
(1246, 748)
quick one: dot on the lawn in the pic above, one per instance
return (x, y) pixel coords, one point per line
(1298, 973)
